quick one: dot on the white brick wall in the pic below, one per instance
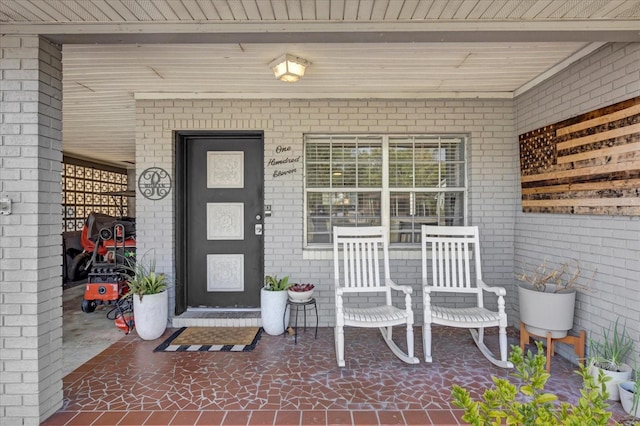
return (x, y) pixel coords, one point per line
(492, 173)
(609, 245)
(30, 238)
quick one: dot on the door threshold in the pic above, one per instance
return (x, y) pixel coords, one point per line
(221, 310)
(218, 317)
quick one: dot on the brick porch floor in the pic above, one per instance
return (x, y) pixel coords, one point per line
(281, 383)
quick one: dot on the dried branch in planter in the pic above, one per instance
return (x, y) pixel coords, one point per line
(563, 277)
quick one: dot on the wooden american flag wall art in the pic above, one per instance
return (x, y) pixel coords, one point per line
(589, 164)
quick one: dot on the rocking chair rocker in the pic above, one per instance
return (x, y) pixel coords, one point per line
(361, 265)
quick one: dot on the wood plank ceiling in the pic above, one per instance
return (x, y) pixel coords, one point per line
(114, 50)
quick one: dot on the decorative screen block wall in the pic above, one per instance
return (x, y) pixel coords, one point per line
(589, 164)
(84, 185)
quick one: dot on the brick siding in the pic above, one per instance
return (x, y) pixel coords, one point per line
(492, 155)
(30, 238)
(609, 245)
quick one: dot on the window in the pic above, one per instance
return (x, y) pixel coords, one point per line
(401, 182)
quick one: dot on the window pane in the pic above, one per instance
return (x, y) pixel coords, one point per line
(453, 170)
(317, 157)
(428, 208)
(401, 164)
(317, 175)
(400, 203)
(453, 209)
(427, 158)
(318, 217)
(411, 210)
(343, 163)
(329, 209)
(453, 174)
(369, 163)
(344, 175)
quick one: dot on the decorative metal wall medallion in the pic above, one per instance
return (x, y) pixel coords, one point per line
(154, 183)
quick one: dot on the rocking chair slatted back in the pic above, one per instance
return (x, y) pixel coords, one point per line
(361, 261)
(451, 257)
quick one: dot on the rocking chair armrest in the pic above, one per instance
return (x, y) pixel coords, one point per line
(499, 291)
(403, 288)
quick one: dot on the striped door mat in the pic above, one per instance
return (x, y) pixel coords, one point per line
(212, 339)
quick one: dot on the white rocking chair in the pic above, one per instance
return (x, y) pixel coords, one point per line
(360, 249)
(451, 249)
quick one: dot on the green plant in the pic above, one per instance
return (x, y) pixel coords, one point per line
(609, 354)
(143, 279)
(272, 283)
(633, 386)
(563, 277)
(526, 403)
(636, 389)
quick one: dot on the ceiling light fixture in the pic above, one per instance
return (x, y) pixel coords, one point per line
(289, 68)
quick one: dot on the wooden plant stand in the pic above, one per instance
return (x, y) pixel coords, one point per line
(577, 342)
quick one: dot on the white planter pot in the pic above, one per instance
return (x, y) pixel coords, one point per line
(626, 398)
(273, 305)
(616, 377)
(150, 315)
(543, 312)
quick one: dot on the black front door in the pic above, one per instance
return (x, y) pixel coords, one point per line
(222, 182)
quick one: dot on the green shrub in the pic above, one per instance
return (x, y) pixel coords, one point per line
(526, 403)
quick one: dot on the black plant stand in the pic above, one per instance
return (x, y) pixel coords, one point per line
(297, 306)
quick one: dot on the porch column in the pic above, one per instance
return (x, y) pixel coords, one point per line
(30, 237)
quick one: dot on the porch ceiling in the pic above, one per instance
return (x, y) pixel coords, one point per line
(115, 50)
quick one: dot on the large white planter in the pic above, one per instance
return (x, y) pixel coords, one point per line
(626, 398)
(543, 312)
(150, 315)
(273, 305)
(616, 377)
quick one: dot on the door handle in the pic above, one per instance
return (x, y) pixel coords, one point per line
(258, 229)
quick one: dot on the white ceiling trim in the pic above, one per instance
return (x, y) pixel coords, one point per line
(297, 10)
(563, 25)
(324, 95)
(423, 31)
(592, 47)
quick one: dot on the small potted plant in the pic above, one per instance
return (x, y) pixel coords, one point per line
(300, 293)
(150, 298)
(547, 298)
(273, 304)
(608, 355)
(630, 394)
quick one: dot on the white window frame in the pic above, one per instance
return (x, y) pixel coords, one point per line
(385, 189)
